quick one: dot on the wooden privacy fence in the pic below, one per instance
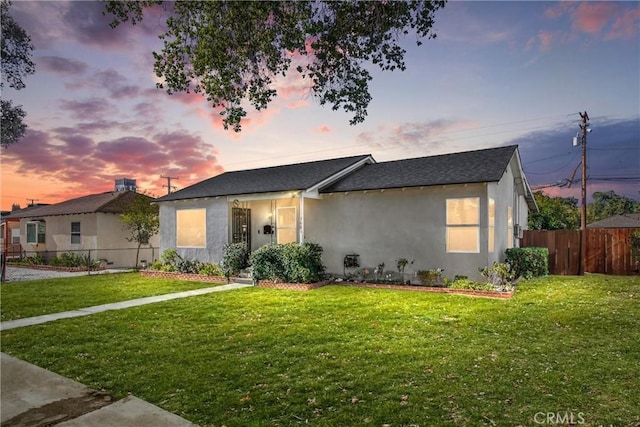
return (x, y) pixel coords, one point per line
(608, 250)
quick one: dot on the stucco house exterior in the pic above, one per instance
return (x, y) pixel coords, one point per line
(455, 211)
(88, 224)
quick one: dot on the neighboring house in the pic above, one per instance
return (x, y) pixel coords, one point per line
(90, 223)
(618, 221)
(455, 211)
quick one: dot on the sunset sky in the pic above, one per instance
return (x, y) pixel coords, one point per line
(499, 73)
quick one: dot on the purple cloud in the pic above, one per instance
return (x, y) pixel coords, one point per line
(60, 65)
(88, 109)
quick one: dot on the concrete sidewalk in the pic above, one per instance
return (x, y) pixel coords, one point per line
(34, 397)
(29, 321)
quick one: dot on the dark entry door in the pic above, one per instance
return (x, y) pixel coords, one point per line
(241, 226)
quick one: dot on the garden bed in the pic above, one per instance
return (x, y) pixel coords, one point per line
(442, 290)
(183, 276)
(54, 268)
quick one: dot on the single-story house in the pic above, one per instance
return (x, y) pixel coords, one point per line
(618, 221)
(85, 225)
(455, 211)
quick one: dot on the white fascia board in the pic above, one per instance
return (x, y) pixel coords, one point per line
(333, 178)
(263, 196)
(526, 189)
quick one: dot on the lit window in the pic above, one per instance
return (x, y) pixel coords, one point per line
(509, 227)
(463, 225)
(191, 228)
(35, 232)
(286, 224)
(492, 224)
(75, 233)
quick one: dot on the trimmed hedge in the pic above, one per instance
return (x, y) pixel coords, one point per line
(289, 263)
(528, 262)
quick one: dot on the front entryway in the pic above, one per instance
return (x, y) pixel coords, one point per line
(241, 226)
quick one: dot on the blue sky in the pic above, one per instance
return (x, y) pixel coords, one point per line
(498, 73)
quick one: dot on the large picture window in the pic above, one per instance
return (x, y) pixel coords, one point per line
(75, 233)
(191, 228)
(35, 232)
(492, 225)
(509, 227)
(463, 225)
(286, 224)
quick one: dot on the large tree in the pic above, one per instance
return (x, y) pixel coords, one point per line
(232, 52)
(16, 64)
(555, 213)
(609, 203)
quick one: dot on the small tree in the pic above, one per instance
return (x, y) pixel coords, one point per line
(141, 219)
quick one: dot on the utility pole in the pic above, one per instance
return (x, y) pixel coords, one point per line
(584, 125)
(168, 186)
(32, 201)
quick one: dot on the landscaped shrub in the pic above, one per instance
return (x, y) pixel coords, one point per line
(499, 275)
(291, 263)
(70, 259)
(528, 262)
(36, 259)
(430, 277)
(471, 285)
(234, 258)
(211, 270)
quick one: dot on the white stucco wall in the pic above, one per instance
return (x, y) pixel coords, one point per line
(217, 224)
(384, 226)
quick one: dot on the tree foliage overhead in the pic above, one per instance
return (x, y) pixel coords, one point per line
(555, 213)
(232, 51)
(608, 204)
(16, 64)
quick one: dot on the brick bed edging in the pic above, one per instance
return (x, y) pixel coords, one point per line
(183, 276)
(317, 285)
(54, 268)
(469, 292)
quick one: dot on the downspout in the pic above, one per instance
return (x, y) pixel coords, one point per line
(301, 236)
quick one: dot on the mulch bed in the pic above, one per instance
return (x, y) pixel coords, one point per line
(54, 268)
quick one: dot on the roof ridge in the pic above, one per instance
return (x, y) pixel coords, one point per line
(455, 153)
(299, 163)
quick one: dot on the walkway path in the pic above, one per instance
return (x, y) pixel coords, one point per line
(28, 321)
(34, 397)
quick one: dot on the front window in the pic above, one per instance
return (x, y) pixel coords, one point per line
(463, 225)
(509, 227)
(191, 228)
(286, 224)
(35, 232)
(492, 225)
(75, 233)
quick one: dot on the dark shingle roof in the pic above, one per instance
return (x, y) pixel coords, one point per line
(618, 221)
(299, 176)
(109, 202)
(458, 168)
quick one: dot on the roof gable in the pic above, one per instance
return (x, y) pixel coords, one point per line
(299, 176)
(109, 202)
(457, 168)
(618, 221)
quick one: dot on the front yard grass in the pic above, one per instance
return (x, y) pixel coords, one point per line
(37, 297)
(342, 356)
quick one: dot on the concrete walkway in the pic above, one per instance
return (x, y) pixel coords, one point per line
(34, 397)
(29, 321)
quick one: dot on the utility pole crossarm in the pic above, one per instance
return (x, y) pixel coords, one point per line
(168, 186)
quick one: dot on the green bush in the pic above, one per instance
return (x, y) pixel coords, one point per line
(431, 277)
(291, 263)
(234, 258)
(471, 285)
(70, 259)
(499, 275)
(528, 262)
(211, 270)
(36, 259)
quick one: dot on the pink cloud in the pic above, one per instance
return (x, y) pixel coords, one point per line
(592, 17)
(625, 26)
(322, 129)
(546, 39)
(298, 104)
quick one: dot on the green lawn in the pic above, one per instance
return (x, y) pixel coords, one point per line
(37, 297)
(341, 356)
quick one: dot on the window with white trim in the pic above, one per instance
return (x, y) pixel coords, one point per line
(492, 225)
(35, 232)
(509, 227)
(463, 225)
(286, 224)
(75, 233)
(191, 228)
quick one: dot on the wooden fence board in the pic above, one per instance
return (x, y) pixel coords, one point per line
(608, 250)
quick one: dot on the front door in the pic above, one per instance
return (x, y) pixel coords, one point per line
(241, 226)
